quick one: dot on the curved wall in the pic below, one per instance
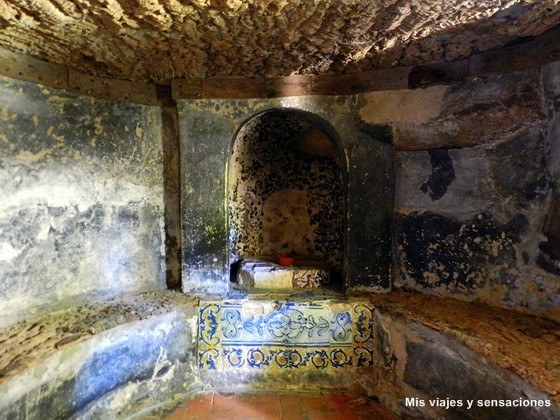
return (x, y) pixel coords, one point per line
(475, 150)
(472, 184)
(207, 131)
(81, 200)
(474, 169)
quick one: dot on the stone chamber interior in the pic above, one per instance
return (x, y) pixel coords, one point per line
(156, 159)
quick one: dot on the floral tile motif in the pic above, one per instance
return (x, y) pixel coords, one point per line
(363, 329)
(208, 337)
(315, 335)
(287, 358)
(290, 325)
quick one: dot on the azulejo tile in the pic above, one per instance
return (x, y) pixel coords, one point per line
(250, 335)
(234, 357)
(341, 357)
(257, 358)
(341, 328)
(209, 337)
(363, 329)
(289, 325)
(287, 357)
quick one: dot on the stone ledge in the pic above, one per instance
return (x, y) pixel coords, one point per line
(62, 362)
(420, 364)
(526, 345)
(264, 273)
(26, 343)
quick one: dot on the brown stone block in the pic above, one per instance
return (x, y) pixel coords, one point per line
(24, 67)
(478, 112)
(465, 131)
(233, 87)
(350, 84)
(288, 86)
(114, 89)
(186, 88)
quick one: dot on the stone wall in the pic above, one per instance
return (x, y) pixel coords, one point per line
(286, 191)
(473, 176)
(472, 185)
(208, 128)
(422, 373)
(81, 203)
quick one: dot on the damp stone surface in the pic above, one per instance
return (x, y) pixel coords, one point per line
(285, 193)
(208, 129)
(81, 203)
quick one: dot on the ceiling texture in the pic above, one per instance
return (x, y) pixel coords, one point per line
(159, 40)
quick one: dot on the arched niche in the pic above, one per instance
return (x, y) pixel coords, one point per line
(287, 193)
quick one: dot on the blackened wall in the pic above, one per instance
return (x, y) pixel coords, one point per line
(474, 164)
(473, 181)
(286, 191)
(81, 197)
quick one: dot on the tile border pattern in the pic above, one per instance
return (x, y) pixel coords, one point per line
(263, 334)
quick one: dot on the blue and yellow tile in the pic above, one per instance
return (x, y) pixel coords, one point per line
(252, 334)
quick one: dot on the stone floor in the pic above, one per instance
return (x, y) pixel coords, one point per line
(292, 406)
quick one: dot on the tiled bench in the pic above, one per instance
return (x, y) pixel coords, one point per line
(374, 345)
(256, 334)
(84, 359)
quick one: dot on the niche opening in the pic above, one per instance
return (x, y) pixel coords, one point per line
(286, 196)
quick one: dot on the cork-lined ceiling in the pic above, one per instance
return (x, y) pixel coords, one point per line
(158, 40)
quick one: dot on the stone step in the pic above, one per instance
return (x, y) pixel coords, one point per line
(263, 273)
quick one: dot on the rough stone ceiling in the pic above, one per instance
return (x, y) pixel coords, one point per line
(157, 40)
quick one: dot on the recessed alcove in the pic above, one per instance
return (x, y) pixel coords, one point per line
(358, 234)
(420, 202)
(286, 196)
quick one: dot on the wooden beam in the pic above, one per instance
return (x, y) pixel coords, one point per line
(351, 84)
(24, 67)
(114, 89)
(233, 87)
(186, 88)
(279, 87)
